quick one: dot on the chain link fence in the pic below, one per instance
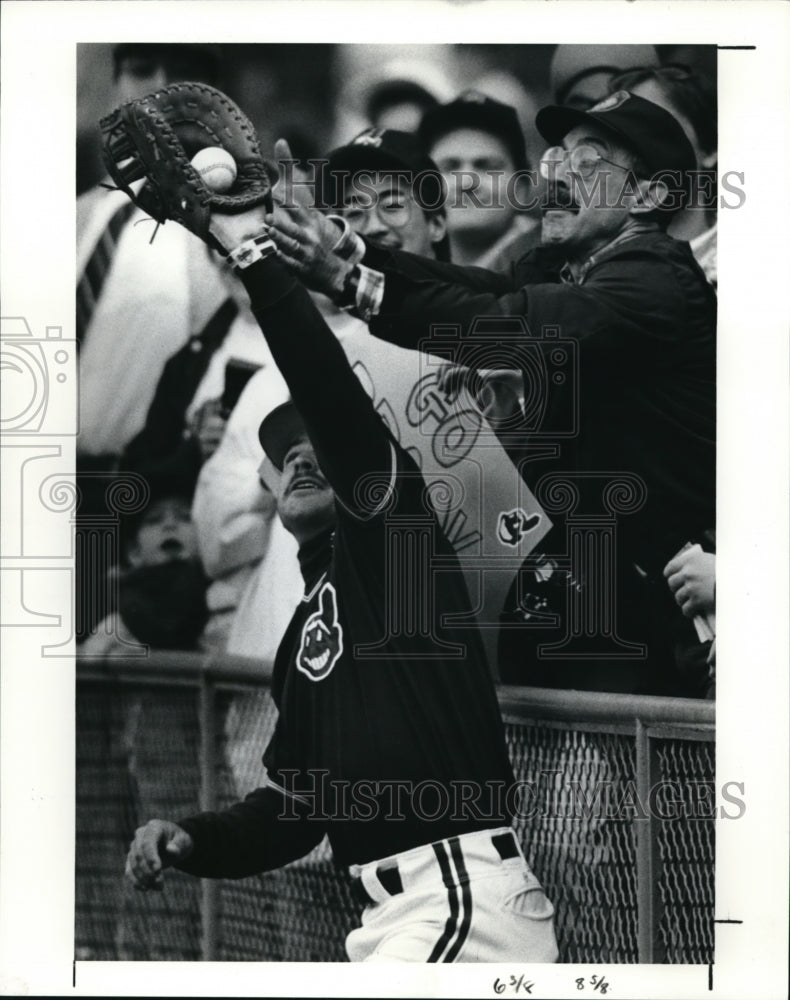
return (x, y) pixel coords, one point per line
(599, 773)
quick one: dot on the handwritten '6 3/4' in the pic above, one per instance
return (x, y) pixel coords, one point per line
(514, 984)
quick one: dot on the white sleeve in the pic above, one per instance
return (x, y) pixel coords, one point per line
(231, 510)
(268, 602)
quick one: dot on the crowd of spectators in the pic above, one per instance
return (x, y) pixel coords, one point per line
(175, 376)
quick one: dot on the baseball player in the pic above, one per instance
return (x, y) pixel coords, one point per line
(389, 738)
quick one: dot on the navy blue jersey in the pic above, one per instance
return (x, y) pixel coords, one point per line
(379, 689)
(389, 734)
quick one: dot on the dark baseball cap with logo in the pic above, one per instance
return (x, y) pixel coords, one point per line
(654, 134)
(378, 149)
(473, 109)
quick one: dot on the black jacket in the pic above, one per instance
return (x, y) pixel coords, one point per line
(163, 449)
(633, 388)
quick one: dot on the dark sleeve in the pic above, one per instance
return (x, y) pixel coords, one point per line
(160, 447)
(622, 295)
(262, 833)
(352, 444)
(417, 267)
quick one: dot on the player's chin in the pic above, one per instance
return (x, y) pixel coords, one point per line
(313, 498)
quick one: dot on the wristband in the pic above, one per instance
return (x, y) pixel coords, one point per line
(251, 251)
(347, 299)
(362, 292)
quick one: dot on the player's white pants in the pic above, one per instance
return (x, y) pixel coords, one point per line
(466, 899)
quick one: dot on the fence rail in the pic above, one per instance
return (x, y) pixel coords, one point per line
(612, 825)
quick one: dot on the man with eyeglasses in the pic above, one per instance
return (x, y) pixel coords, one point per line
(643, 318)
(390, 191)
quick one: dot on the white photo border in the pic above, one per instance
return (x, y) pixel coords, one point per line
(37, 251)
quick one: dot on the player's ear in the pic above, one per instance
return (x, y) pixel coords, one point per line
(437, 227)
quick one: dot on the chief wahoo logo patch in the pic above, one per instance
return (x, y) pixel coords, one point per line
(513, 525)
(322, 638)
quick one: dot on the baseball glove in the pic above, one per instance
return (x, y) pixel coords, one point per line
(155, 137)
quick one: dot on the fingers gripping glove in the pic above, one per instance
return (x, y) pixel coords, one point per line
(155, 137)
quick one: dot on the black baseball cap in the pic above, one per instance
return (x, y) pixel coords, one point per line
(473, 109)
(280, 429)
(650, 131)
(378, 149)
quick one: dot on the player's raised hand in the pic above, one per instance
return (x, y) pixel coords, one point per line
(156, 846)
(304, 237)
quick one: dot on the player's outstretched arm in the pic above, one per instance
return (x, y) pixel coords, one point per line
(157, 138)
(156, 846)
(351, 441)
(328, 395)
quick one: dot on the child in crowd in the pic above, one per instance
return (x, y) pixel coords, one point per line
(160, 582)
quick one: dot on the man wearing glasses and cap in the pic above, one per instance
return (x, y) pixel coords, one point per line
(633, 300)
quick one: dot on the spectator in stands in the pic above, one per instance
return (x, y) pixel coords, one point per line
(138, 300)
(644, 318)
(691, 576)
(689, 96)
(246, 552)
(581, 75)
(692, 100)
(399, 104)
(478, 145)
(199, 386)
(394, 95)
(160, 582)
(505, 87)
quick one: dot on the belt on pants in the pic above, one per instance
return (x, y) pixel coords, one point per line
(430, 864)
